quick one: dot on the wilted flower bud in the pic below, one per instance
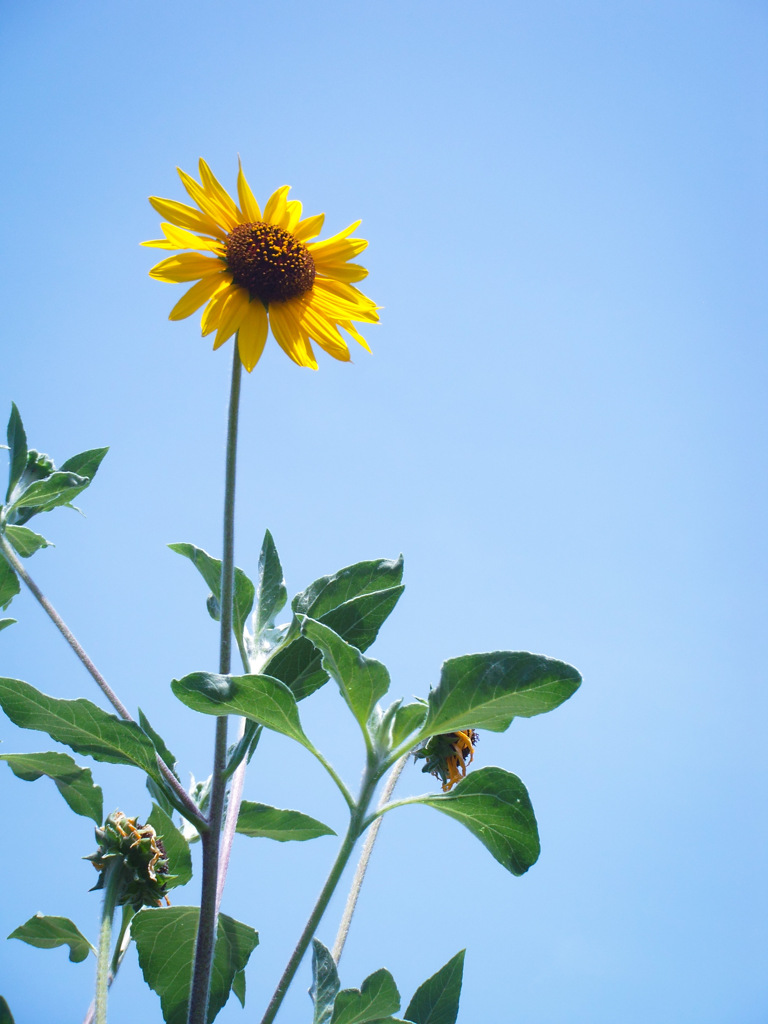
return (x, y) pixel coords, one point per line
(448, 756)
(140, 851)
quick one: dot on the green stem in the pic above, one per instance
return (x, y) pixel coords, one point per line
(206, 931)
(183, 802)
(353, 833)
(112, 876)
(362, 866)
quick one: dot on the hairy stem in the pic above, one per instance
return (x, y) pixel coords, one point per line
(112, 876)
(184, 802)
(362, 866)
(118, 955)
(209, 898)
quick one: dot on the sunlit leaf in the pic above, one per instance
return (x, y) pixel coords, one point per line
(437, 1000)
(17, 442)
(210, 569)
(263, 821)
(9, 584)
(377, 997)
(5, 623)
(73, 782)
(165, 941)
(271, 594)
(49, 932)
(26, 541)
(325, 983)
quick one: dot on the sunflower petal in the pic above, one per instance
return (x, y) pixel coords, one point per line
(350, 329)
(182, 239)
(292, 215)
(214, 188)
(275, 209)
(310, 227)
(289, 336)
(198, 294)
(248, 204)
(231, 315)
(212, 312)
(207, 203)
(252, 335)
(186, 266)
(349, 273)
(186, 216)
(324, 332)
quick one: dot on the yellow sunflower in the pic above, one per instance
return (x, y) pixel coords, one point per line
(262, 271)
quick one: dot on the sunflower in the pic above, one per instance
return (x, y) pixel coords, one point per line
(253, 271)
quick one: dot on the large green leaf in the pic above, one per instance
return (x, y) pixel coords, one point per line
(263, 821)
(325, 983)
(26, 541)
(486, 691)
(362, 681)
(73, 782)
(328, 592)
(49, 932)
(165, 942)
(175, 845)
(6, 1017)
(80, 725)
(85, 463)
(408, 718)
(17, 442)
(60, 488)
(377, 997)
(437, 1000)
(9, 583)
(271, 594)
(210, 569)
(157, 741)
(260, 698)
(494, 806)
(357, 620)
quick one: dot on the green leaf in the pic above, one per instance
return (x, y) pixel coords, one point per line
(260, 698)
(86, 463)
(377, 997)
(157, 742)
(437, 1000)
(238, 987)
(263, 821)
(6, 1017)
(73, 782)
(362, 681)
(210, 569)
(50, 932)
(4, 623)
(325, 983)
(9, 583)
(357, 621)
(80, 725)
(329, 592)
(176, 847)
(165, 941)
(59, 488)
(17, 442)
(486, 691)
(271, 594)
(26, 541)
(494, 805)
(408, 719)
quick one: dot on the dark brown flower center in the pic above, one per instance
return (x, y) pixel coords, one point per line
(268, 261)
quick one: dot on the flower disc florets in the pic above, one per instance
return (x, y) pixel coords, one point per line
(271, 263)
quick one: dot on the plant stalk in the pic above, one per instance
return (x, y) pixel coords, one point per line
(112, 876)
(206, 931)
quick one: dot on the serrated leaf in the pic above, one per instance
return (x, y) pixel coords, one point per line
(165, 942)
(271, 594)
(377, 997)
(5, 623)
(49, 932)
(73, 782)
(80, 725)
(85, 463)
(176, 847)
(298, 663)
(362, 681)
(260, 698)
(17, 442)
(262, 821)
(9, 584)
(494, 805)
(437, 1000)
(26, 541)
(210, 569)
(6, 1017)
(325, 983)
(486, 691)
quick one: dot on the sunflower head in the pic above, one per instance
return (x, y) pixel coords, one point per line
(448, 756)
(140, 852)
(253, 271)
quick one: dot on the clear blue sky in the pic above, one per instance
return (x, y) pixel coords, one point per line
(562, 426)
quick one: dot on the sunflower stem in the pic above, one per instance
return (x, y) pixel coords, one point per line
(362, 865)
(209, 897)
(113, 873)
(184, 803)
(370, 778)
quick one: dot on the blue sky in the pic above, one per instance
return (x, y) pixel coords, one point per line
(561, 426)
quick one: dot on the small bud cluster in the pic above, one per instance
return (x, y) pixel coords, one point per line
(144, 862)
